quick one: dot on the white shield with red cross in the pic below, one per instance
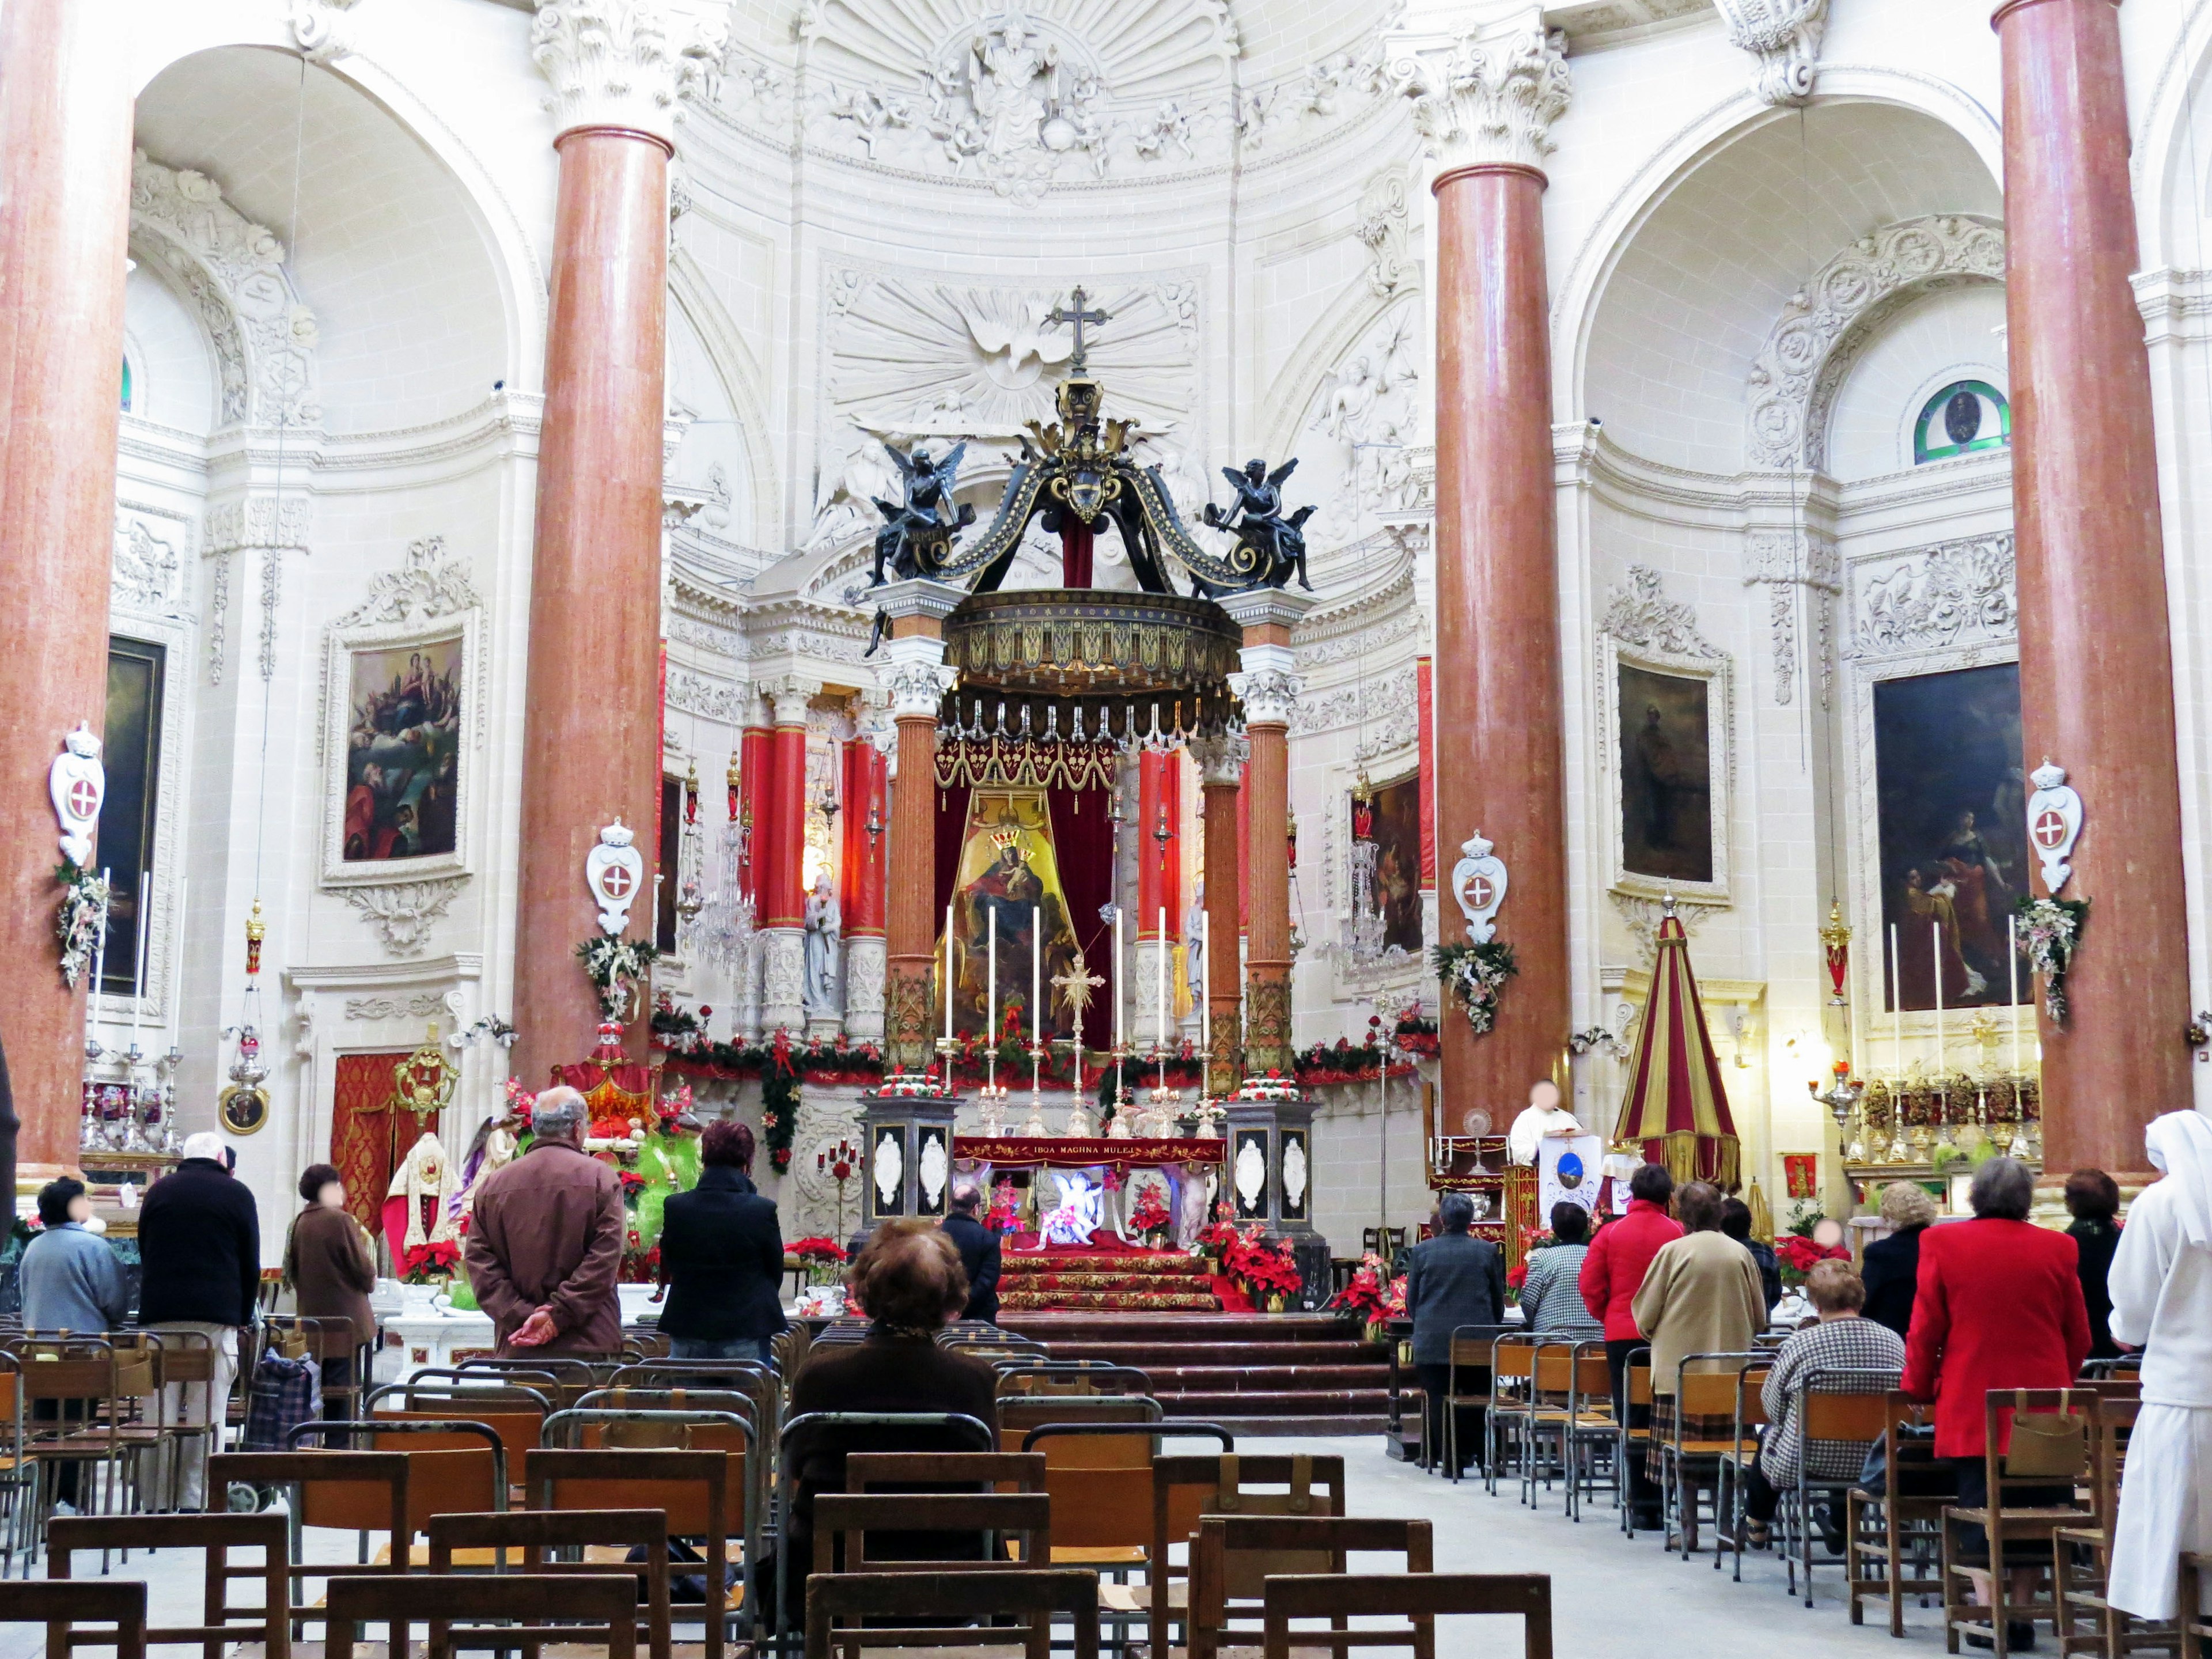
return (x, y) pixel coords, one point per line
(613, 872)
(2054, 823)
(77, 783)
(1479, 883)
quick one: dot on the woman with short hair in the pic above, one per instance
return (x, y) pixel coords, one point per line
(1893, 1264)
(330, 1270)
(2092, 1199)
(1551, 1295)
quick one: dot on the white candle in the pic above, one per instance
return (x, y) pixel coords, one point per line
(1036, 976)
(948, 984)
(1205, 1003)
(1936, 933)
(1162, 997)
(1896, 1005)
(991, 983)
(2012, 980)
(1119, 984)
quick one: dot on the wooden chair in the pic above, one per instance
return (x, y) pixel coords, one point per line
(1590, 1425)
(483, 1541)
(599, 1608)
(679, 1420)
(1896, 1522)
(843, 1521)
(1019, 1413)
(1834, 1405)
(1032, 1595)
(866, 1472)
(2082, 1557)
(1570, 1381)
(1236, 1556)
(1186, 1488)
(62, 1605)
(1729, 1499)
(1418, 1598)
(323, 1341)
(218, 1534)
(690, 1488)
(2194, 1625)
(455, 1466)
(357, 1491)
(1071, 1377)
(2058, 1457)
(78, 1378)
(1690, 1460)
(1508, 1368)
(1635, 1439)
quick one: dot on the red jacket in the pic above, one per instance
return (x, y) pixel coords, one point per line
(1998, 1306)
(1613, 1268)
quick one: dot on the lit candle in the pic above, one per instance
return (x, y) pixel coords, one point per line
(1936, 933)
(1119, 1009)
(1036, 976)
(948, 981)
(991, 987)
(1162, 997)
(1204, 1003)
(1896, 1005)
(2012, 980)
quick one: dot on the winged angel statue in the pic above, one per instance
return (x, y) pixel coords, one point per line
(1269, 544)
(917, 530)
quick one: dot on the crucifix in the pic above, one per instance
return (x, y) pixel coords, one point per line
(1079, 363)
(1075, 987)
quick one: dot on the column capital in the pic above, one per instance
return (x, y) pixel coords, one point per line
(917, 600)
(788, 697)
(1266, 688)
(624, 62)
(1266, 608)
(913, 677)
(1488, 98)
(1220, 759)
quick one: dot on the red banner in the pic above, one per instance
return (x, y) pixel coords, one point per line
(1054, 1151)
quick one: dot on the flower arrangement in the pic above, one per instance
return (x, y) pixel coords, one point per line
(84, 914)
(1150, 1217)
(1005, 1214)
(2051, 929)
(1797, 1255)
(1476, 974)
(1418, 1035)
(1367, 1295)
(1264, 1269)
(431, 1263)
(817, 1249)
(615, 966)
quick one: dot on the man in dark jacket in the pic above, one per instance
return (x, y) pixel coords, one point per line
(1453, 1279)
(721, 1257)
(199, 1239)
(545, 1241)
(979, 1251)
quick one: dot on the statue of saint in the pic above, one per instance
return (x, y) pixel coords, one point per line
(823, 921)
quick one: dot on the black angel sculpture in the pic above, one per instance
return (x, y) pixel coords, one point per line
(1270, 545)
(917, 532)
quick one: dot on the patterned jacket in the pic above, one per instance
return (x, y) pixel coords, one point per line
(1552, 1300)
(1856, 1344)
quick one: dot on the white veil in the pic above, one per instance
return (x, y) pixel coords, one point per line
(2180, 1146)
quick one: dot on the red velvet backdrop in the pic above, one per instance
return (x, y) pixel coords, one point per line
(366, 1135)
(1083, 836)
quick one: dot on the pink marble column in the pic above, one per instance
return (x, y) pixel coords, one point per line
(1497, 731)
(2096, 667)
(65, 228)
(591, 726)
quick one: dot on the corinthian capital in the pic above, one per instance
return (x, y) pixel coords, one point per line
(624, 62)
(1488, 100)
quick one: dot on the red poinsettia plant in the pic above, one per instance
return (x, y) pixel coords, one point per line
(1367, 1295)
(1005, 1214)
(1151, 1215)
(1798, 1256)
(816, 1249)
(426, 1264)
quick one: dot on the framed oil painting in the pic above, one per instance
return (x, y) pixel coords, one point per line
(396, 753)
(1395, 886)
(1950, 818)
(1667, 723)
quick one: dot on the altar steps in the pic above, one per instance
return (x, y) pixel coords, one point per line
(1254, 1374)
(1105, 1282)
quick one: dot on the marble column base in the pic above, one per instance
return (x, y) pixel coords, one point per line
(865, 962)
(783, 979)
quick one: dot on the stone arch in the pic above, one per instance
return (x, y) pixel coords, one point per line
(1819, 335)
(231, 271)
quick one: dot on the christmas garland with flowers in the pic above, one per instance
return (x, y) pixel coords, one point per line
(614, 966)
(2051, 929)
(1476, 974)
(84, 908)
(779, 1102)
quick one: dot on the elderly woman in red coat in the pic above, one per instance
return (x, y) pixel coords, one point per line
(1998, 1305)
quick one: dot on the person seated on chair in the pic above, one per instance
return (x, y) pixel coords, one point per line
(1452, 1279)
(1841, 1339)
(71, 1281)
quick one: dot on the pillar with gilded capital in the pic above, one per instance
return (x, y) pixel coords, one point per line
(2096, 665)
(592, 716)
(781, 905)
(1486, 104)
(914, 680)
(64, 222)
(1268, 687)
(1221, 775)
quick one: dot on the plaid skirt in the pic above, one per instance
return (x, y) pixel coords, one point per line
(1664, 1419)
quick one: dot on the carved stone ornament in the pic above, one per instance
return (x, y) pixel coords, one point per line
(1479, 881)
(1220, 759)
(1270, 696)
(2054, 823)
(1956, 592)
(1380, 228)
(77, 784)
(1489, 101)
(622, 62)
(1810, 348)
(886, 1165)
(1784, 35)
(144, 571)
(403, 912)
(615, 872)
(421, 1006)
(322, 29)
(914, 688)
(1641, 615)
(428, 585)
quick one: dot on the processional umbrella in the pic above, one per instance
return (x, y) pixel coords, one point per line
(1676, 1105)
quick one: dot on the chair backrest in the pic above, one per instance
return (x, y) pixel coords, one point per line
(453, 1465)
(1018, 1413)
(945, 1471)
(1419, 1597)
(530, 1534)
(62, 1604)
(602, 1607)
(1188, 1487)
(955, 1600)
(1843, 1403)
(353, 1490)
(517, 1422)
(218, 1534)
(2044, 1432)
(1639, 1378)
(850, 1517)
(1071, 1377)
(1511, 1357)
(1236, 1554)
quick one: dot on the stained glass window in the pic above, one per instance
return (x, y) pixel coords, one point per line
(126, 385)
(1964, 417)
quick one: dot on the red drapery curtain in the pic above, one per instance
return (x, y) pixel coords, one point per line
(367, 1139)
(1083, 836)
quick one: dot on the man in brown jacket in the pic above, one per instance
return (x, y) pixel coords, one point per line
(545, 1241)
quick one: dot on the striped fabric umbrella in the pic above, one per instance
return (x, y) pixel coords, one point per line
(1675, 1104)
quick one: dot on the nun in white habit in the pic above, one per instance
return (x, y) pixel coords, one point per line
(2161, 1287)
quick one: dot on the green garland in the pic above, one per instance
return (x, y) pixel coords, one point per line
(1477, 975)
(779, 1109)
(614, 966)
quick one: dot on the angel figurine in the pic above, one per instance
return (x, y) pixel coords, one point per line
(917, 530)
(1269, 546)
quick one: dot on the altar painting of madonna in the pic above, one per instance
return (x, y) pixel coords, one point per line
(1008, 870)
(403, 752)
(1951, 816)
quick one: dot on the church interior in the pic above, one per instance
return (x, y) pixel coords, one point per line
(1237, 627)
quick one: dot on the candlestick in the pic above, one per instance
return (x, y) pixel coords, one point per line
(1936, 933)
(1037, 975)
(1204, 1003)
(991, 1002)
(1119, 984)
(948, 991)
(2012, 982)
(138, 973)
(1896, 1006)
(1161, 1000)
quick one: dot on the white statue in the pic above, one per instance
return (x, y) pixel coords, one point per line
(1076, 1217)
(1193, 945)
(426, 1176)
(823, 921)
(1193, 1204)
(1004, 86)
(1543, 1117)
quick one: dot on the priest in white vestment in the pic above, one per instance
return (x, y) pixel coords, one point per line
(1544, 1116)
(2161, 1288)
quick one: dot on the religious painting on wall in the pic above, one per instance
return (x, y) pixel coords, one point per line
(1951, 800)
(394, 738)
(1394, 885)
(1669, 743)
(1008, 893)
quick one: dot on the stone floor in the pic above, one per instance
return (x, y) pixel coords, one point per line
(1611, 1596)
